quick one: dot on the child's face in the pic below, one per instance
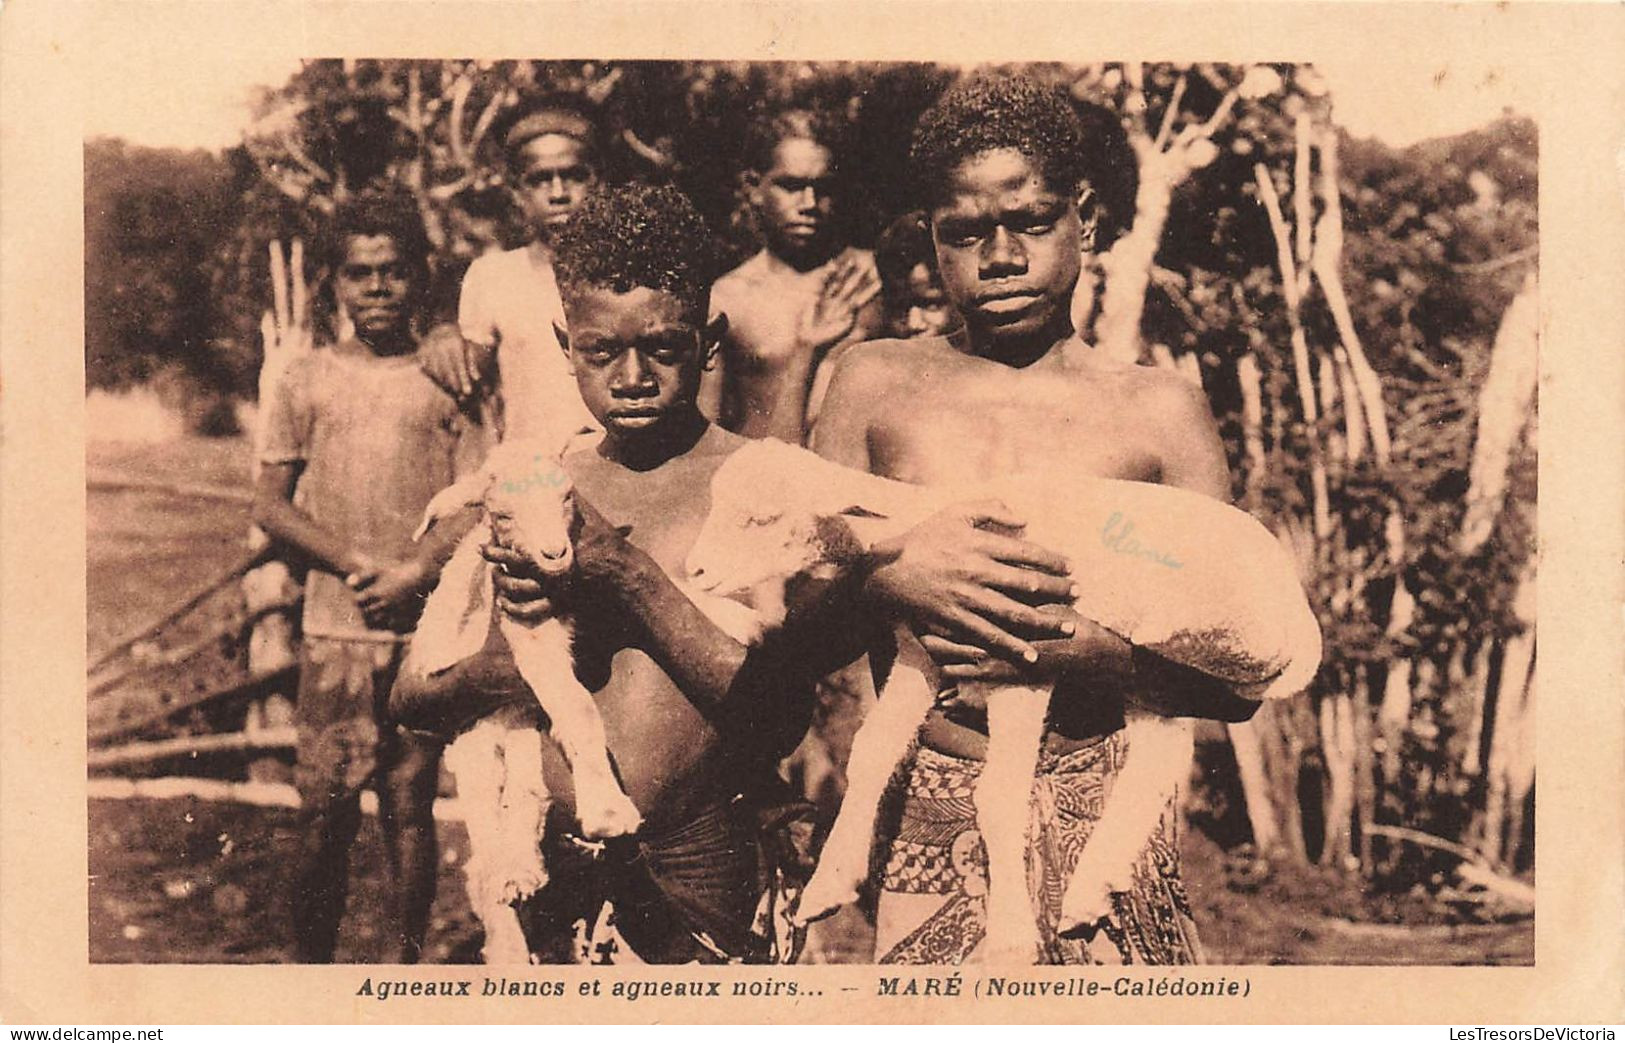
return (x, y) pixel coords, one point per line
(1008, 245)
(920, 308)
(637, 356)
(375, 285)
(553, 174)
(795, 198)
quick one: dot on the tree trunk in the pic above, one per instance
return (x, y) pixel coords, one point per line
(1127, 266)
(1504, 406)
(1510, 763)
(1262, 814)
(1337, 742)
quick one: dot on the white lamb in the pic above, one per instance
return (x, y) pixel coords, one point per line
(1185, 576)
(528, 502)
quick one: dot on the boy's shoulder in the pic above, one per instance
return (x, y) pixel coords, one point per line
(887, 358)
(500, 264)
(747, 273)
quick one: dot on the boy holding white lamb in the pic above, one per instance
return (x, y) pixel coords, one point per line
(1017, 195)
(696, 721)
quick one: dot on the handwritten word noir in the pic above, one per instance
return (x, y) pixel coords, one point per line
(1118, 538)
(551, 478)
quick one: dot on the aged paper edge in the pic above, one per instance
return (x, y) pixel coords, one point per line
(50, 63)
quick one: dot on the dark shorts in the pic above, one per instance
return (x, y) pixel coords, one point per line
(341, 716)
(714, 889)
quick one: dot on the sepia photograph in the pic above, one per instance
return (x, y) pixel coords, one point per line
(812, 512)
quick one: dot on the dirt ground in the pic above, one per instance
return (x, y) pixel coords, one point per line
(187, 881)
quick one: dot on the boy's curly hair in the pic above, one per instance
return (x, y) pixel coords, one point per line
(633, 235)
(1071, 145)
(817, 123)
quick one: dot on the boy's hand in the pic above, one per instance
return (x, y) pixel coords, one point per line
(852, 283)
(954, 573)
(456, 364)
(360, 571)
(1091, 651)
(601, 560)
(387, 594)
(522, 591)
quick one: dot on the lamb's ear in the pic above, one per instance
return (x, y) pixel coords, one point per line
(466, 492)
(457, 617)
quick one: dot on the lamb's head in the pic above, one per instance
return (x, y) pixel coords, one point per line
(753, 553)
(767, 523)
(530, 501)
(741, 546)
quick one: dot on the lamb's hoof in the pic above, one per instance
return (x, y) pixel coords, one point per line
(505, 942)
(1082, 909)
(614, 817)
(520, 886)
(827, 891)
(1074, 927)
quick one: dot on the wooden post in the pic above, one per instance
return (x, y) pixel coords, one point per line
(286, 334)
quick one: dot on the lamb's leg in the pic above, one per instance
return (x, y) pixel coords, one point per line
(880, 744)
(1158, 760)
(542, 654)
(524, 813)
(475, 760)
(1015, 729)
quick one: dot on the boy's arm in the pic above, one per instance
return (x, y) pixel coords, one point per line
(730, 683)
(286, 436)
(282, 521)
(457, 351)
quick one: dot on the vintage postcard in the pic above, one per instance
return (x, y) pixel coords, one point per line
(848, 512)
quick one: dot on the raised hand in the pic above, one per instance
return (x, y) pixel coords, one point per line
(851, 284)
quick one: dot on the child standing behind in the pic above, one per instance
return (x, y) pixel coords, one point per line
(503, 342)
(366, 439)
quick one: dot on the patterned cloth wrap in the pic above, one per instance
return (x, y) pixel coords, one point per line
(937, 862)
(715, 889)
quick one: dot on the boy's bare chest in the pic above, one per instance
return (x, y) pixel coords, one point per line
(964, 429)
(764, 318)
(664, 509)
